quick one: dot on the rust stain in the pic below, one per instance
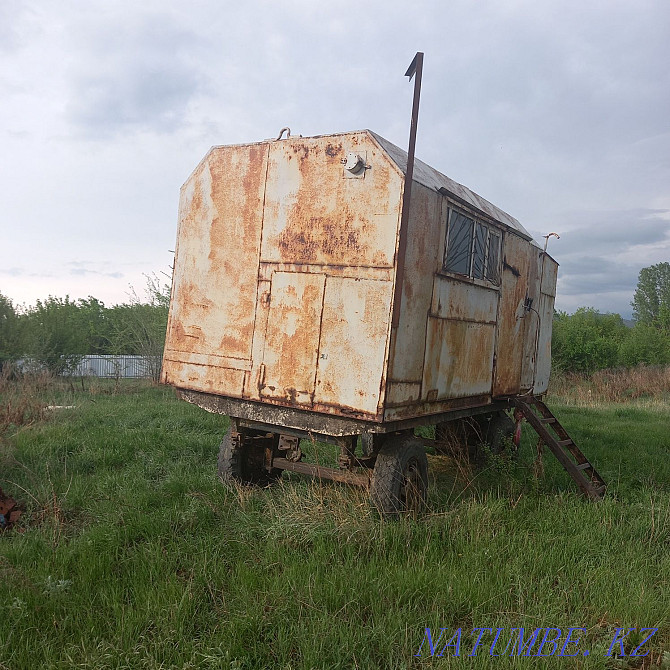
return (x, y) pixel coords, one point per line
(292, 336)
(333, 150)
(302, 151)
(314, 215)
(310, 238)
(213, 306)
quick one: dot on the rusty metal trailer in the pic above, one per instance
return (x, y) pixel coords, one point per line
(313, 297)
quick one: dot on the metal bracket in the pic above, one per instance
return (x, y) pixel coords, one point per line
(355, 165)
(291, 445)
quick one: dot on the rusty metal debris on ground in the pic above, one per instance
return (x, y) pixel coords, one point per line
(10, 511)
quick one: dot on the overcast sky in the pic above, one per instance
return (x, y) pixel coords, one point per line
(557, 112)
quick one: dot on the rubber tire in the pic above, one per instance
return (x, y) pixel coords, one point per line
(458, 438)
(236, 462)
(400, 477)
(497, 429)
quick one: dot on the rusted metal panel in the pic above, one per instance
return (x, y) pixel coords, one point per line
(210, 361)
(531, 318)
(402, 393)
(546, 308)
(354, 336)
(511, 312)
(466, 301)
(314, 215)
(543, 365)
(423, 241)
(270, 414)
(208, 378)
(351, 271)
(459, 359)
(412, 415)
(292, 337)
(216, 263)
(549, 275)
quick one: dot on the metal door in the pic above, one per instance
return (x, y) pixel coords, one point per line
(292, 337)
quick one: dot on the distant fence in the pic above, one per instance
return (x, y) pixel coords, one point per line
(116, 366)
(102, 365)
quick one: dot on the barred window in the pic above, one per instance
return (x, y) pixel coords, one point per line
(472, 249)
(459, 246)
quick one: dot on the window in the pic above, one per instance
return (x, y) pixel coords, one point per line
(493, 258)
(473, 248)
(460, 244)
(479, 251)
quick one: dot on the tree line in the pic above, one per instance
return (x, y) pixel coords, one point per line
(587, 341)
(57, 332)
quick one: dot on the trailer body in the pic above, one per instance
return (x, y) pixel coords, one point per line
(286, 266)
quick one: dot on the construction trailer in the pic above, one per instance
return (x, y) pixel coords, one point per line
(304, 306)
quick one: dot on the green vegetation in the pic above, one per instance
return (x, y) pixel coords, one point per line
(651, 303)
(132, 555)
(55, 333)
(588, 340)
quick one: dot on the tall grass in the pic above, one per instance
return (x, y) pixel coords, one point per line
(644, 384)
(133, 555)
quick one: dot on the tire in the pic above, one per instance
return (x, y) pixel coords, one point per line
(367, 444)
(458, 439)
(497, 431)
(400, 477)
(241, 459)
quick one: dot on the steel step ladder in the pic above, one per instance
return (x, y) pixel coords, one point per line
(540, 417)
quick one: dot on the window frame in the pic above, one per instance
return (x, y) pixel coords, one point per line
(484, 269)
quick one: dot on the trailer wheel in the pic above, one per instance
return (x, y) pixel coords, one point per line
(497, 431)
(458, 439)
(242, 457)
(400, 477)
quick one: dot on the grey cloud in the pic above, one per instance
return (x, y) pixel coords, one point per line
(587, 265)
(591, 272)
(601, 232)
(137, 77)
(11, 13)
(22, 272)
(586, 81)
(83, 272)
(617, 302)
(596, 275)
(15, 272)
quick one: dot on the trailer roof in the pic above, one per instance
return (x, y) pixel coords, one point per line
(430, 177)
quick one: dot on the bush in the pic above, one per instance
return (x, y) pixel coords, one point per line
(644, 344)
(586, 340)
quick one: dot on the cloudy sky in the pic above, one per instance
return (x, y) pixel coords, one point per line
(556, 111)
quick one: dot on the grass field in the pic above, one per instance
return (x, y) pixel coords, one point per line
(132, 555)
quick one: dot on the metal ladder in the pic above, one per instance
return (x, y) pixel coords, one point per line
(540, 417)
